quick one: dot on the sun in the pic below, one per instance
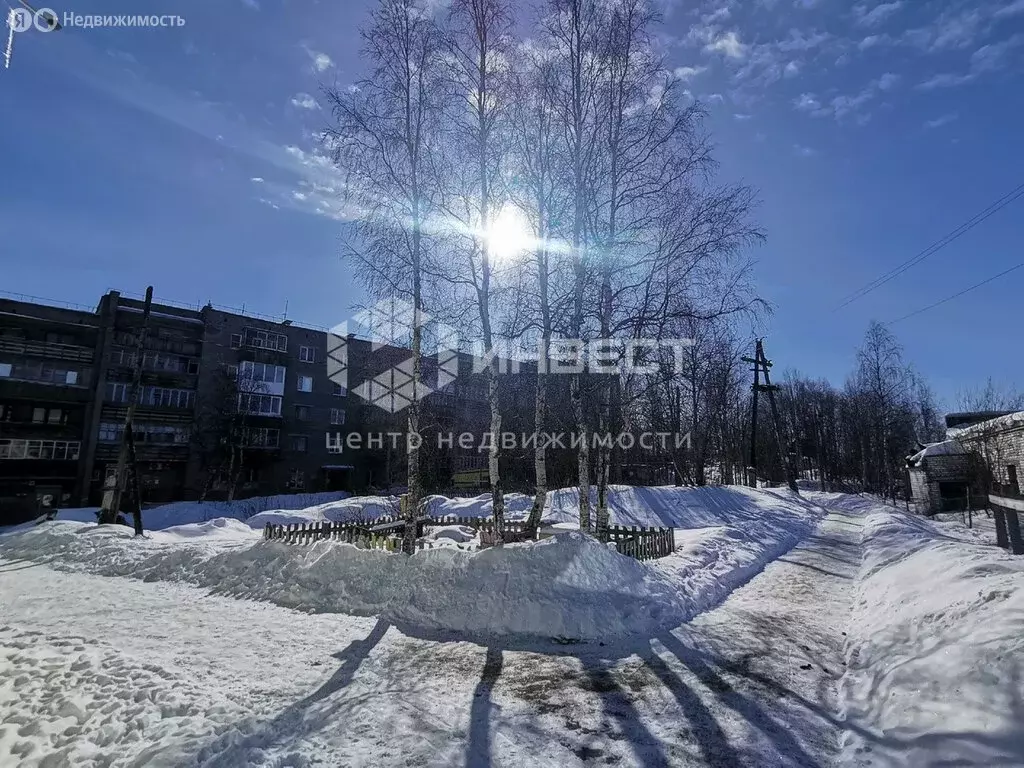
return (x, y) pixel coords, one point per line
(508, 235)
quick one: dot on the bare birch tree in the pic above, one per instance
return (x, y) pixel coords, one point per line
(384, 137)
(479, 66)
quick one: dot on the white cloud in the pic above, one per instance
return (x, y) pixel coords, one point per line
(988, 58)
(254, 4)
(299, 195)
(941, 121)
(739, 116)
(304, 101)
(321, 61)
(993, 56)
(952, 29)
(944, 80)
(870, 17)
(715, 98)
(719, 14)
(1017, 6)
(687, 73)
(807, 102)
(888, 81)
(873, 41)
(729, 45)
(792, 69)
(257, 179)
(847, 105)
(804, 151)
(798, 40)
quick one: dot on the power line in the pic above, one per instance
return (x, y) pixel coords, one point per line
(938, 245)
(957, 295)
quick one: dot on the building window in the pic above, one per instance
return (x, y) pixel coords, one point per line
(5, 412)
(1011, 476)
(49, 416)
(117, 392)
(109, 432)
(59, 450)
(263, 437)
(236, 341)
(164, 397)
(302, 413)
(305, 383)
(261, 339)
(299, 443)
(337, 416)
(307, 354)
(38, 371)
(261, 372)
(259, 405)
(297, 479)
(335, 442)
(337, 390)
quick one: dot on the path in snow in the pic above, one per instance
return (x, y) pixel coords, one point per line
(242, 683)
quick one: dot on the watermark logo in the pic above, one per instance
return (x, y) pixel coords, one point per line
(47, 20)
(389, 324)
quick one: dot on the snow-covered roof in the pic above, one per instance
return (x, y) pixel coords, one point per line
(997, 424)
(945, 448)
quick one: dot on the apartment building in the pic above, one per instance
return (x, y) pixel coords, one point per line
(290, 405)
(165, 412)
(48, 369)
(228, 400)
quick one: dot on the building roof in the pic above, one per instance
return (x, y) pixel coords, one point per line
(1001, 423)
(944, 448)
(968, 418)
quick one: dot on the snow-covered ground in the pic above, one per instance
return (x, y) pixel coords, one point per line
(936, 658)
(784, 631)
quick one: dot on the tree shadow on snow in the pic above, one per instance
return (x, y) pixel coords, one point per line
(298, 719)
(478, 748)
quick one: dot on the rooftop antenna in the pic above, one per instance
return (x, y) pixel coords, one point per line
(285, 309)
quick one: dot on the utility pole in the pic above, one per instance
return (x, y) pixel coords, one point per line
(114, 486)
(763, 364)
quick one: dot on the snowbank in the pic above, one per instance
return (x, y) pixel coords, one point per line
(935, 649)
(567, 586)
(185, 512)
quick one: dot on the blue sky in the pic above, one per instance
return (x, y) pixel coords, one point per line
(185, 157)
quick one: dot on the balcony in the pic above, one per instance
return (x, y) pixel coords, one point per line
(108, 451)
(46, 392)
(46, 350)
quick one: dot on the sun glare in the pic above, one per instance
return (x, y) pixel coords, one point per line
(508, 235)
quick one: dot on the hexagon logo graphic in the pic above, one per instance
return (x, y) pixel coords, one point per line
(389, 325)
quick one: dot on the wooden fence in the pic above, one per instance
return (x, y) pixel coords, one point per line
(642, 543)
(1007, 507)
(384, 533)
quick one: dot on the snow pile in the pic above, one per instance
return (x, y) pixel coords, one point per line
(343, 511)
(185, 512)
(936, 649)
(517, 506)
(566, 586)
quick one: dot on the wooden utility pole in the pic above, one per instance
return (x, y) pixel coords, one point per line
(114, 486)
(763, 364)
(752, 467)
